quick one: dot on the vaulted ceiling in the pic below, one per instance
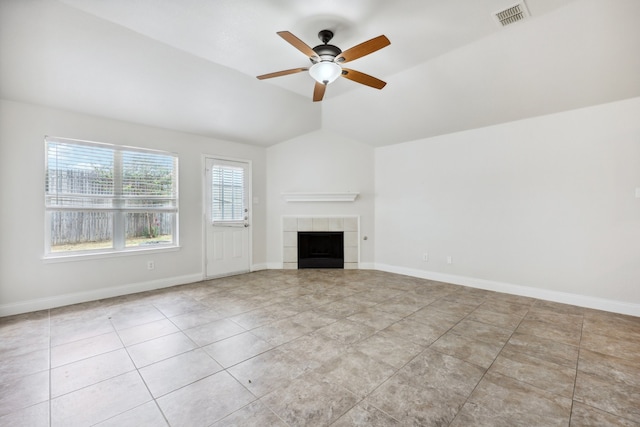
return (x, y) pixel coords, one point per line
(190, 65)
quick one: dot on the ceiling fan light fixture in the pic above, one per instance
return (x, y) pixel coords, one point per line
(325, 72)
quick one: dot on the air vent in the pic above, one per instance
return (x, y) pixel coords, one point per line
(512, 14)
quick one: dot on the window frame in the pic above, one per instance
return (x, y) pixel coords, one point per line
(118, 199)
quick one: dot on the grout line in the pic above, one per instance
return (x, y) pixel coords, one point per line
(494, 360)
(575, 379)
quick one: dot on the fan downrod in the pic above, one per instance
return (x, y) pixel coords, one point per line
(325, 36)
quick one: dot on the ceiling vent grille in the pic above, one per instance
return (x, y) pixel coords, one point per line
(512, 14)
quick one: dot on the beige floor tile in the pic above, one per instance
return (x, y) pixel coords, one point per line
(158, 349)
(313, 319)
(20, 393)
(255, 414)
(415, 405)
(502, 401)
(196, 318)
(552, 331)
(178, 371)
(347, 331)
(204, 402)
(470, 350)
(86, 372)
(236, 349)
(134, 315)
(100, 401)
(20, 365)
(617, 398)
(267, 372)
(310, 401)
(612, 345)
(609, 368)
(543, 348)
(281, 331)
(432, 317)
(486, 314)
(71, 330)
(340, 309)
(454, 308)
(416, 332)
(375, 318)
(365, 415)
(389, 349)
(148, 331)
(262, 316)
(543, 374)
(558, 307)
(214, 331)
(314, 349)
(32, 416)
(583, 415)
(175, 304)
(356, 371)
(147, 414)
(350, 347)
(482, 332)
(85, 348)
(442, 372)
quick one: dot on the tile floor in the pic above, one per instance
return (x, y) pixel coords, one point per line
(320, 347)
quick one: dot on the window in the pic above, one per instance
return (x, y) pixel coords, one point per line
(106, 198)
(227, 194)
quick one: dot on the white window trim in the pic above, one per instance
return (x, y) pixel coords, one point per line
(118, 237)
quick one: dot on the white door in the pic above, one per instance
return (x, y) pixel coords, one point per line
(227, 217)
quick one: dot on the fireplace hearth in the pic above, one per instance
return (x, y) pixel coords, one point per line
(320, 249)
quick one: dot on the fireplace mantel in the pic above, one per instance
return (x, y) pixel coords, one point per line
(320, 197)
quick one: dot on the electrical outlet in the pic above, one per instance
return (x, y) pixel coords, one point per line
(151, 265)
(425, 256)
(449, 259)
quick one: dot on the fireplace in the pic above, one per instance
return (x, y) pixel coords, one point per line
(320, 249)
(349, 226)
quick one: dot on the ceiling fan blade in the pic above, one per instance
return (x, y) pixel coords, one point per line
(318, 91)
(281, 73)
(363, 49)
(363, 78)
(297, 43)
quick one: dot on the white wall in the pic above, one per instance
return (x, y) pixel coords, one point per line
(543, 207)
(27, 282)
(320, 161)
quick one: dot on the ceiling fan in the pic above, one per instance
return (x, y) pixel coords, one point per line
(327, 61)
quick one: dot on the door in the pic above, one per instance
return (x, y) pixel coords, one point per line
(227, 217)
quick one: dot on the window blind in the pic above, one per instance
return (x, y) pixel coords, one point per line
(227, 194)
(91, 176)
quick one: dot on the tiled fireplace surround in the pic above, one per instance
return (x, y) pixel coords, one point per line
(292, 224)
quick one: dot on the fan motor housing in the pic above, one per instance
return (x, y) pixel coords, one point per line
(327, 52)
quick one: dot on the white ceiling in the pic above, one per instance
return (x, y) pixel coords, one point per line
(190, 65)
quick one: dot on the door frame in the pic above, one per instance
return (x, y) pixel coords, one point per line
(203, 198)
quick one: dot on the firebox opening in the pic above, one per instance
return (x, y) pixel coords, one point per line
(320, 249)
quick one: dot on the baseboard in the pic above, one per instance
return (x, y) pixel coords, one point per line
(526, 291)
(259, 267)
(367, 266)
(275, 265)
(93, 295)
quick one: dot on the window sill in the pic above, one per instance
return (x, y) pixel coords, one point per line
(320, 197)
(55, 258)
